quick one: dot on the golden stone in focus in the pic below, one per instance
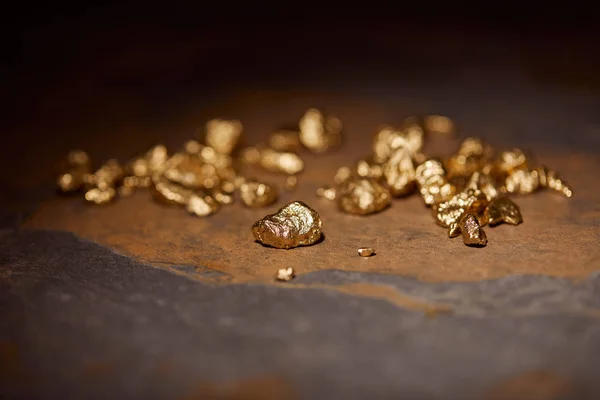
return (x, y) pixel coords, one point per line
(294, 225)
(449, 213)
(319, 133)
(363, 196)
(285, 141)
(327, 192)
(472, 233)
(290, 182)
(366, 251)
(285, 274)
(223, 136)
(503, 209)
(257, 194)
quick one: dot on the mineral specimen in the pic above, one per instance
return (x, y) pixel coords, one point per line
(294, 225)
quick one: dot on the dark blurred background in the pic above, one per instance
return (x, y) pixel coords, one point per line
(110, 78)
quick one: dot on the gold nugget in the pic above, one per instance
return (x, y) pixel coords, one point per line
(472, 233)
(223, 136)
(440, 125)
(294, 225)
(319, 134)
(257, 194)
(366, 251)
(433, 185)
(399, 172)
(290, 182)
(364, 196)
(101, 196)
(285, 140)
(503, 209)
(285, 274)
(75, 170)
(326, 192)
(201, 205)
(275, 161)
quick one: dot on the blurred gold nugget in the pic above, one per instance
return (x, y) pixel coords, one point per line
(258, 194)
(363, 197)
(75, 169)
(284, 162)
(291, 182)
(223, 136)
(327, 192)
(285, 141)
(439, 124)
(294, 225)
(319, 133)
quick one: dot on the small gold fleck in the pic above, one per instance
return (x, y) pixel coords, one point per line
(285, 274)
(170, 193)
(257, 194)
(366, 251)
(294, 225)
(291, 182)
(327, 192)
(250, 155)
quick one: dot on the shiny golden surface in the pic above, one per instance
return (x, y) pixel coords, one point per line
(432, 182)
(503, 209)
(294, 225)
(285, 274)
(366, 251)
(474, 181)
(223, 136)
(472, 233)
(258, 194)
(399, 172)
(363, 197)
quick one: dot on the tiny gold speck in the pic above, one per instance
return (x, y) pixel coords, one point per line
(366, 251)
(285, 274)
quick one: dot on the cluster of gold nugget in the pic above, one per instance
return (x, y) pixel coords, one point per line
(202, 177)
(465, 191)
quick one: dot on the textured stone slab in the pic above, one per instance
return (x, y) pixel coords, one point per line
(81, 321)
